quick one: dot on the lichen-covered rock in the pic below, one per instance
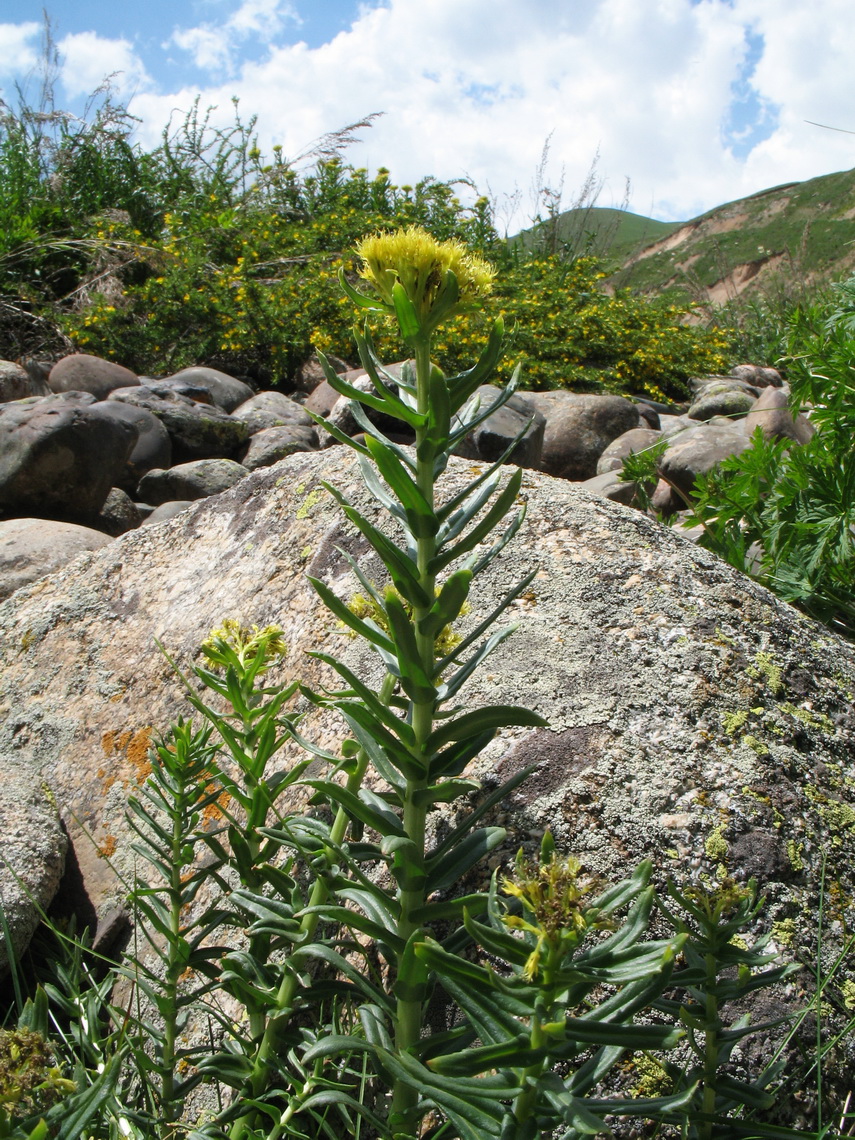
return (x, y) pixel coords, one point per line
(694, 718)
(197, 431)
(33, 847)
(272, 409)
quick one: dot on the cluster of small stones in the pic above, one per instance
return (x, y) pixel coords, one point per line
(89, 450)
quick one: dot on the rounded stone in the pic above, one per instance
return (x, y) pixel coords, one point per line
(190, 481)
(81, 372)
(31, 548)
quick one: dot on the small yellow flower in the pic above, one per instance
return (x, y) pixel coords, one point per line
(244, 642)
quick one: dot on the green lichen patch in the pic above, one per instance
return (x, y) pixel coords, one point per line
(715, 845)
(766, 668)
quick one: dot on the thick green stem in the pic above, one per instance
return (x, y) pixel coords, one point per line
(289, 986)
(713, 1025)
(526, 1102)
(169, 1109)
(411, 896)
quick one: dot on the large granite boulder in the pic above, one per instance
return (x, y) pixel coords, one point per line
(60, 455)
(81, 372)
(693, 717)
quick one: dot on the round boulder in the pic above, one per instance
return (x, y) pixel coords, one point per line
(60, 455)
(771, 412)
(190, 481)
(698, 450)
(31, 548)
(197, 431)
(16, 382)
(630, 443)
(271, 409)
(272, 444)
(492, 438)
(225, 391)
(83, 373)
(719, 400)
(167, 511)
(579, 429)
(153, 447)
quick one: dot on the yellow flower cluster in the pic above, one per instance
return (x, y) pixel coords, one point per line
(415, 260)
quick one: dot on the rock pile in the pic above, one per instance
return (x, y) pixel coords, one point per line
(96, 447)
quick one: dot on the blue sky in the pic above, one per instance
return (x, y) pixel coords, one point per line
(696, 102)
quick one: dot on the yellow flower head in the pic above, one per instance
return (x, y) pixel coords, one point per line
(553, 894)
(246, 643)
(420, 264)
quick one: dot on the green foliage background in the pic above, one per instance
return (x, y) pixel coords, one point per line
(202, 250)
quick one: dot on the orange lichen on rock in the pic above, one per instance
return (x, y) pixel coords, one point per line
(134, 745)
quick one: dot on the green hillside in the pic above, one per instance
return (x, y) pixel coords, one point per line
(788, 238)
(800, 235)
(601, 230)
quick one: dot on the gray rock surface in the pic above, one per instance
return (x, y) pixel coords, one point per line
(694, 718)
(16, 383)
(81, 372)
(310, 375)
(270, 445)
(33, 854)
(167, 511)
(771, 412)
(269, 410)
(718, 400)
(632, 441)
(579, 429)
(31, 548)
(60, 455)
(698, 450)
(197, 431)
(492, 438)
(153, 447)
(758, 375)
(190, 481)
(226, 391)
(119, 513)
(609, 485)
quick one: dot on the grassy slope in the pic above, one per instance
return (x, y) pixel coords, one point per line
(799, 234)
(788, 236)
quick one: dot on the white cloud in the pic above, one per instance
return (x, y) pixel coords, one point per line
(88, 59)
(215, 46)
(18, 54)
(476, 86)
